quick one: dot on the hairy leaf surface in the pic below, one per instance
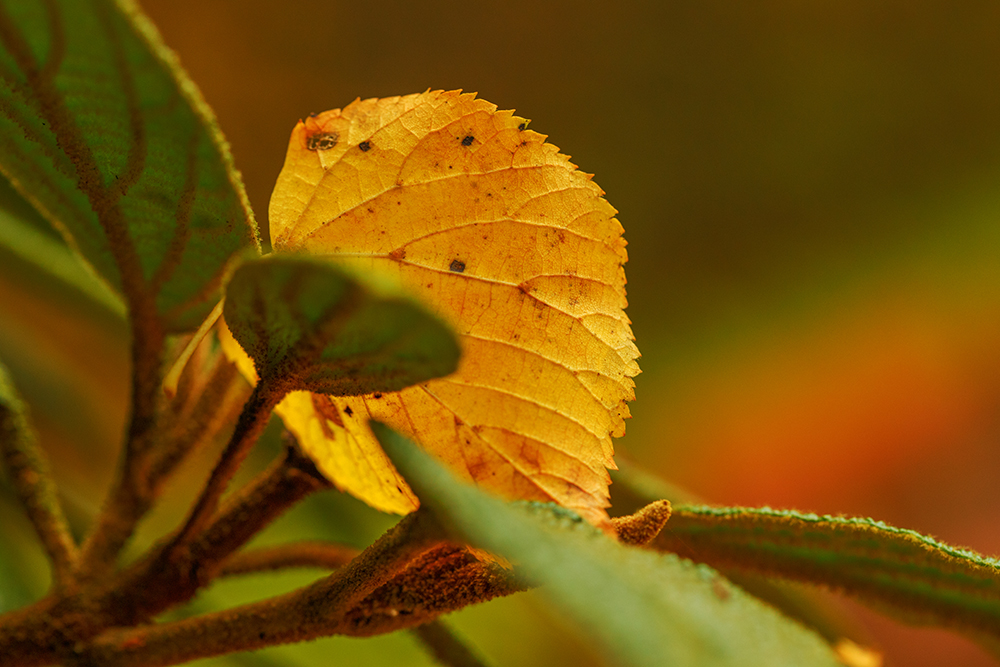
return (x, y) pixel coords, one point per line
(310, 325)
(918, 577)
(640, 607)
(103, 133)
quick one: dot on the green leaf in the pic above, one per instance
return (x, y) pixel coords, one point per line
(642, 608)
(103, 133)
(917, 577)
(633, 488)
(308, 324)
(32, 253)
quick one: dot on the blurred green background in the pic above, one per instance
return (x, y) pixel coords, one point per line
(810, 195)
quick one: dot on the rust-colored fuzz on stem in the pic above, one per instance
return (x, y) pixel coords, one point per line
(641, 528)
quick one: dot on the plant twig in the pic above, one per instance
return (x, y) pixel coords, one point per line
(169, 576)
(326, 555)
(317, 610)
(125, 504)
(217, 405)
(29, 470)
(254, 417)
(40, 634)
(445, 646)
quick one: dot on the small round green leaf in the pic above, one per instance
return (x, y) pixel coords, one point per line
(308, 324)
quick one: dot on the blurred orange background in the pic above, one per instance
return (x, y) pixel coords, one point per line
(810, 195)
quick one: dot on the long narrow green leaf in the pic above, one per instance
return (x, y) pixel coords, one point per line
(918, 577)
(642, 608)
(104, 134)
(632, 488)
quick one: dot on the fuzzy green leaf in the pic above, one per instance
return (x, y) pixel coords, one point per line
(642, 608)
(633, 488)
(104, 134)
(917, 577)
(30, 251)
(310, 325)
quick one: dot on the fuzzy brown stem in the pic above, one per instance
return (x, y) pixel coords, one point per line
(218, 403)
(325, 555)
(32, 480)
(170, 576)
(254, 417)
(445, 646)
(316, 610)
(46, 632)
(126, 504)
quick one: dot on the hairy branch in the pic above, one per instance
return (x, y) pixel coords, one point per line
(445, 646)
(217, 401)
(317, 610)
(326, 555)
(47, 632)
(32, 480)
(126, 504)
(254, 417)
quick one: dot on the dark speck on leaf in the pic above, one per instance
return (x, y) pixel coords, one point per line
(467, 141)
(457, 266)
(365, 146)
(313, 114)
(348, 411)
(322, 142)
(522, 126)
(377, 394)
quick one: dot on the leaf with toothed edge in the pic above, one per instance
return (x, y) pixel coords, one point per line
(503, 237)
(104, 134)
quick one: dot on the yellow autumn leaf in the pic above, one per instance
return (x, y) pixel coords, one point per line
(504, 238)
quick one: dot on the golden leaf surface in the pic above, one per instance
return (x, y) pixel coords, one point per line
(503, 237)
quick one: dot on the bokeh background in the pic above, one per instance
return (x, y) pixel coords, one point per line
(810, 195)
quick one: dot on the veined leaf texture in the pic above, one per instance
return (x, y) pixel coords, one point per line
(507, 240)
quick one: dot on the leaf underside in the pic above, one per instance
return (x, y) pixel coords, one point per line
(914, 576)
(310, 326)
(103, 133)
(640, 607)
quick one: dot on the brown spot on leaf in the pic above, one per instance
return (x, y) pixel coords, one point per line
(377, 394)
(522, 126)
(468, 139)
(365, 146)
(457, 265)
(325, 408)
(322, 141)
(398, 254)
(348, 411)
